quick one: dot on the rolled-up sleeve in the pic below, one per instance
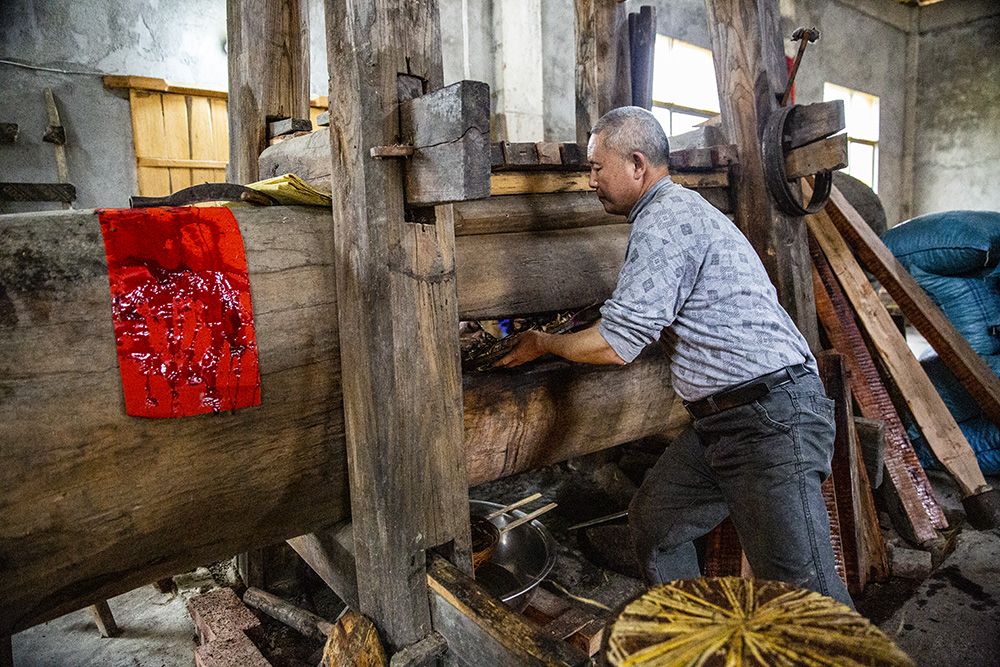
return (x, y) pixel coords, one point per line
(652, 286)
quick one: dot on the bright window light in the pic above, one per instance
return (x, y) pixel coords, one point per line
(684, 88)
(862, 116)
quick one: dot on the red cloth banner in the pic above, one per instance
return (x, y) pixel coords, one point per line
(180, 302)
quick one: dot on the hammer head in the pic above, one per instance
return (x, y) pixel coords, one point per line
(810, 34)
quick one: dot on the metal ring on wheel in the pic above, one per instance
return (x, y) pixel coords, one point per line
(773, 150)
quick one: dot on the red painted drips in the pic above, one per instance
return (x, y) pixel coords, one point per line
(180, 303)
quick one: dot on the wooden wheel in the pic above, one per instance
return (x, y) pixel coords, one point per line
(732, 621)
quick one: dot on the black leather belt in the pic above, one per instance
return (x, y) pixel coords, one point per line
(744, 392)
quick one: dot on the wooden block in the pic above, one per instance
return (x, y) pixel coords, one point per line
(573, 154)
(480, 630)
(220, 614)
(420, 653)
(104, 619)
(642, 43)
(449, 131)
(355, 642)
(531, 213)
(284, 137)
(8, 133)
(810, 122)
(323, 120)
(277, 128)
(516, 154)
(823, 155)
(712, 157)
(871, 438)
(230, 651)
(496, 155)
(704, 136)
(548, 152)
(63, 192)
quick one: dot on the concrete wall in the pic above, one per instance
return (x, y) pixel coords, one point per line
(957, 156)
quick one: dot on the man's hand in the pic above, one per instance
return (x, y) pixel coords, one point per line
(587, 346)
(529, 347)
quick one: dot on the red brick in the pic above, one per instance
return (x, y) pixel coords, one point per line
(233, 651)
(220, 615)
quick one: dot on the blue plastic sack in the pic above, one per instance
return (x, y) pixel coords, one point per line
(983, 437)
(971, 303)
(948, 243)
(960, 404)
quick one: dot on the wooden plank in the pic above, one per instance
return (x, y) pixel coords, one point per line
(481, 630)
(104, 619)
(149, 138)
(202, 138)
(449, 130)
(748, 54)
(531, 213)
(807, 123)
(153, 84)
(268, 46)
(397, 305)
(177, 164)
(277, 128)
(974, 374)
(220, 132)
(712, 157)
(703, 136)
(603, 62)
(823, 155)
(916, 498)
(178, 139)
(541, 271)
(549, 152)
(863, 546)
(642, 43)
(329, 554)
(353, 641)
(519, 183)
(929, 411)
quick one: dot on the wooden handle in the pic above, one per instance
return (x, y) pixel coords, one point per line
(520, 503)
(527, 517)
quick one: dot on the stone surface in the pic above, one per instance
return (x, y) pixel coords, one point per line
(910, 563)
(953, 619)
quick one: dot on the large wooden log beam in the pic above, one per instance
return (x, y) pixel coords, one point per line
(94, 503)
(750, 71)
(268, 45)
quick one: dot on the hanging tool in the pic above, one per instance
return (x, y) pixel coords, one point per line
(56, 135)
(804, 36)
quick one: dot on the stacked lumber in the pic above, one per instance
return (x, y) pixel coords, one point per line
(882, 366)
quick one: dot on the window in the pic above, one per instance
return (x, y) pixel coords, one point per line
(861, 113)
(684, 89)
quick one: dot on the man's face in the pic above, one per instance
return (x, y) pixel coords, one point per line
(614, 177)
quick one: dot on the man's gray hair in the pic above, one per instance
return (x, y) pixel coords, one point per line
(627, 130)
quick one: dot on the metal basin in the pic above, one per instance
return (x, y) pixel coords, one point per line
(523, 557)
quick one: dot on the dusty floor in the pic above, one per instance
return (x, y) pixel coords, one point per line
(951, 618)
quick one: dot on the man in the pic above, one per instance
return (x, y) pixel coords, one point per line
(761, 438)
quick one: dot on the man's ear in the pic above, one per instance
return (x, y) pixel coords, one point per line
(640, 164)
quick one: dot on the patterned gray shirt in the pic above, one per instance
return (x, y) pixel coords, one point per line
(689, 268)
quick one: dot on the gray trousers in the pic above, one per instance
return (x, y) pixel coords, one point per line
(760, 463)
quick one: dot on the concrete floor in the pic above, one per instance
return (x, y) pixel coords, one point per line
(951, 619)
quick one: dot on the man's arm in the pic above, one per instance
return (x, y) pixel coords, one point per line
(587, 346)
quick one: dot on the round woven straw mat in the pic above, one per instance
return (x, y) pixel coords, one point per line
(729, 621)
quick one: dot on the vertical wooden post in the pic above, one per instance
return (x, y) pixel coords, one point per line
(750, 71)
(603, 62)
(268, 44)
(398, 311)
